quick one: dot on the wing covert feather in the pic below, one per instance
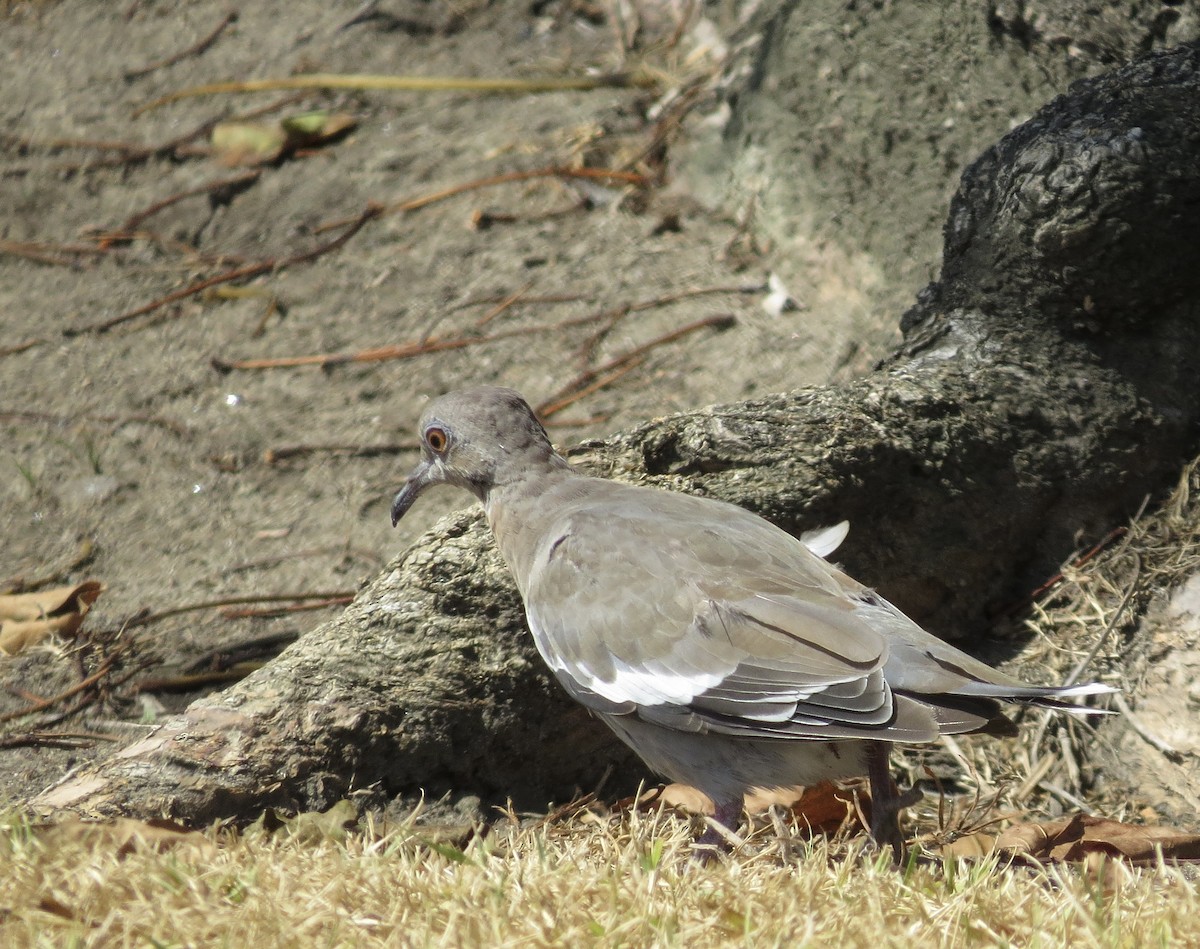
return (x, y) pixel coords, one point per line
(696, 640)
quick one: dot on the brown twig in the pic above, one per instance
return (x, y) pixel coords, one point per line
(542, 298)
(1023, 604)
(509, 177)
(366, 556)
(569, 398)
(195, 49)
(398, 351)
(226, 657)
(671, 120)
(483, 219)
(44, 739)
(436, 344)
(20, 347)
(277, 611)
(377, 354)
(44, 252)
(189, 683)
(229, 185)
(590, 380)
(192, 256)
(147, 618)
(578, 422)
(610, 318)
(503, 305)
(41, 705)
(271, 264)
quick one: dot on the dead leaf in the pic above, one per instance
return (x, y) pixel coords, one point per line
(317, 128)
(683, 797)
(247, 143)
(1081, 838)
(969, 846)
(28, 618)
(257, 143)
(823, 808)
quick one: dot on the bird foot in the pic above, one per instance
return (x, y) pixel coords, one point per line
(719, 837)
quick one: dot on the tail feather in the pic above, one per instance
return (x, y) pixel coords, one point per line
(1035, 694)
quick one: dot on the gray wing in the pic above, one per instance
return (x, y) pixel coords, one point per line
(700, 617)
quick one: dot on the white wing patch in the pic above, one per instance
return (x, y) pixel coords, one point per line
(823, 541)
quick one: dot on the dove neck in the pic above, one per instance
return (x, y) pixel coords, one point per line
(519, 508)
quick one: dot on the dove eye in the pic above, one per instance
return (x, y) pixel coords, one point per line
(437, 439)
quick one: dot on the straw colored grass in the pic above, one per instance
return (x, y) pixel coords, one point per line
(586, 881)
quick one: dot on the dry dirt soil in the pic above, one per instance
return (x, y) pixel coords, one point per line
(138, 453)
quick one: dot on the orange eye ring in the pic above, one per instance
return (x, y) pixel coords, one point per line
(437, 439)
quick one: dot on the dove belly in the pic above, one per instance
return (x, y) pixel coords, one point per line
(725, 767)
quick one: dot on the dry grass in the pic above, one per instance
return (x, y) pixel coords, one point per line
(585, 881)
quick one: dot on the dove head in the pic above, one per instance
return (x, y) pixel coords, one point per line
(476, 439)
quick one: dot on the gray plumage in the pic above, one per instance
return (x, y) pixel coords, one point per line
(721, 649)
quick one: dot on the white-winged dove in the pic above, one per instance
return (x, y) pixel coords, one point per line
(725, 652)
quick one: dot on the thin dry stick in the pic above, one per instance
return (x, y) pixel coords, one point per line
(262, 562)
(414, 204)
(253, 270)
(1112, 623)
(1170, 752)
(377, 354)
(682, 23)
(45, 739)
(399, 351)
(1089, 554)
(149, 618)
(610, 318)
(630, 307)
(584, 380)
(534, 299)
(53, 419)
(234, 184)
(191, 255)
(503, 305)
(193, 681)
(247, 650)
(496, 85)
(285, 610)
(194, 50)
(20, 347)
(43, 252)
(42, 704)
(435, 344)
(549, 408)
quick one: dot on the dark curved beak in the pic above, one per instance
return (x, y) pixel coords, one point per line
(417, 482)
